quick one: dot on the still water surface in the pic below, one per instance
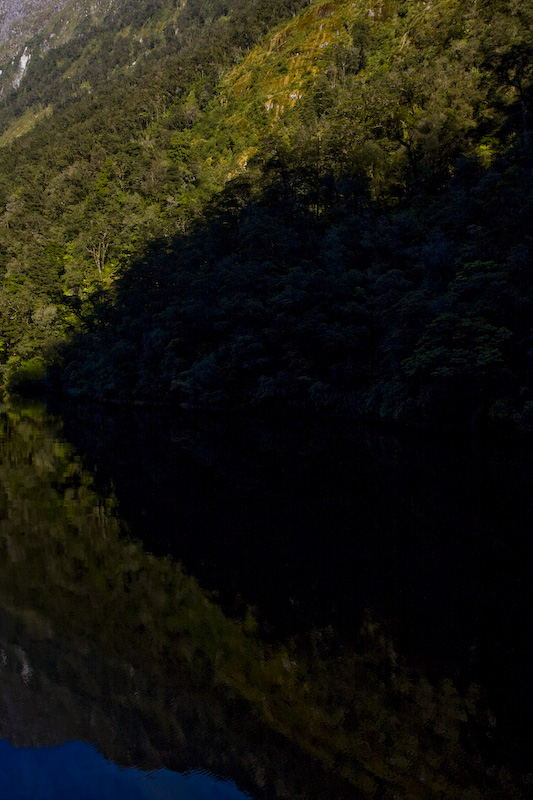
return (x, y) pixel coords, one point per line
(218, 609)
(77, 770)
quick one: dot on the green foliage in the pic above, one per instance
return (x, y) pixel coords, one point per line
(281, 210)
(456, 345)
(27, 375)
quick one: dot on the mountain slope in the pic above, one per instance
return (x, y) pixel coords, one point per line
(21, 20)
(31, 27)
(70, 48)
(306, 157)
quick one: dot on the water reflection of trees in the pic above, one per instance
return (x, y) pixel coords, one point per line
(104, 641)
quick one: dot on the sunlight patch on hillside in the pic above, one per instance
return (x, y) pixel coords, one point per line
(23, 124)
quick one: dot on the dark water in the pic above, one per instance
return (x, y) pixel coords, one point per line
(196, 607)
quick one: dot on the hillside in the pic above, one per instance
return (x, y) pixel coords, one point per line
(284, 203)
(29, 28)
(53, 54)
(22, 20)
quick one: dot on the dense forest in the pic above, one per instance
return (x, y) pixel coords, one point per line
(316, 205)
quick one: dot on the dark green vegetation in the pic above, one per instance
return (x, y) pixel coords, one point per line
(105, 642)
(335, 217)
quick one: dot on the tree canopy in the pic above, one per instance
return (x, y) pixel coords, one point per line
(318, 205)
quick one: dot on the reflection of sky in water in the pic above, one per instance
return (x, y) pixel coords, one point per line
(77, 770)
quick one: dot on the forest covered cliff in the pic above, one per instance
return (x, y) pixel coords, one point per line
(318, 205)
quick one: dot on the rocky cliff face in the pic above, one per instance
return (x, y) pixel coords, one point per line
(29, 24)
(15, 16)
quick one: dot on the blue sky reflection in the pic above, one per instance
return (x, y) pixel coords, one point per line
(77, 770)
